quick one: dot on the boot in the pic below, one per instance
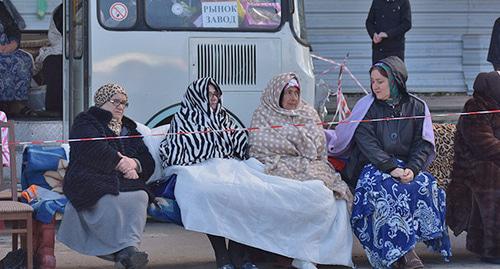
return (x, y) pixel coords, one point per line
(43, 244)
(412, 261)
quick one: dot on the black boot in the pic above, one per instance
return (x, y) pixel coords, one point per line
(131, 258)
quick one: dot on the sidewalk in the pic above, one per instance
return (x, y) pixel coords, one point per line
(171, 247)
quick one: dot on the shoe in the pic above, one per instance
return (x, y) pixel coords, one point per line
(109, 257)
(14, 259)
(301, 264)
(412, 261)
(493, 260)
(399, 264)
(131, 258)
(227, 266)
(27, 112)
(249, 265)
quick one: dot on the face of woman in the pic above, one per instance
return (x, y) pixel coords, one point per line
(213, 96)
(380, 85)
(116, 105)
(291, 98)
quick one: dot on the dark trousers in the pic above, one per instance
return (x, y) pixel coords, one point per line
(380, 53)
(53, 78)
(235, 253)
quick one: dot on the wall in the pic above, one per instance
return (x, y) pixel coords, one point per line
(445, 49)
(28, 9)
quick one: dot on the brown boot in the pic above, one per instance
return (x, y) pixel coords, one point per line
(412, 261)
(44, 242)
(399, 264)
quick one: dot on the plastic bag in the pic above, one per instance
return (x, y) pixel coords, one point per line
(36, 161)
(165, 210)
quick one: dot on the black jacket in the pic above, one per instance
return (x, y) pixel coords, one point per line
(494, 52)
(381, 143)
(91, 172)
(10, 26)
(392, 17)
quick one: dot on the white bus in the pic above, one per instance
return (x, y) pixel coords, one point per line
(155, 48)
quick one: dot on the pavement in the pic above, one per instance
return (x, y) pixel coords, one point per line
(171, 247)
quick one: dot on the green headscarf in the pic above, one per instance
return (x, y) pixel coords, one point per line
(394, 90)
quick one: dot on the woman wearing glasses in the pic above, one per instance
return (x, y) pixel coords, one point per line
(105, 183)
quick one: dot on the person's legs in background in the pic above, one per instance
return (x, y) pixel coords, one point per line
(52, 77)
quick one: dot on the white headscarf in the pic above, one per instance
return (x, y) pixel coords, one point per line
(54, 48)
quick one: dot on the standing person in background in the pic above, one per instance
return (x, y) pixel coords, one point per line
(387, 23)
(494, 52)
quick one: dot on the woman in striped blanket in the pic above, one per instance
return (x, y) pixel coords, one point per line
(200, 119)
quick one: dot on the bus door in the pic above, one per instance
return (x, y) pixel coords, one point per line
(75, 78)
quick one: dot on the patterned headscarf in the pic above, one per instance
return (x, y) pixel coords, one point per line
(296, 152)
(196, 115)
(103, 95)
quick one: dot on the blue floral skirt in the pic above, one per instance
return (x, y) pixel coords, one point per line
(15, 71)
(390, 217)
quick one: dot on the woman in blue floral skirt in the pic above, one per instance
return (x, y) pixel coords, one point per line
(396, 202)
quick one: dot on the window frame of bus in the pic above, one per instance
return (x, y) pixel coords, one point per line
(133, 26)
(142, 25)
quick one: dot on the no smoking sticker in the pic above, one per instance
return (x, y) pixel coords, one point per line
(118, 11)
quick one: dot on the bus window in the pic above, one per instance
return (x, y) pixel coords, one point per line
(300, 29)
(213, 14)
(117, 15)
(77, 25)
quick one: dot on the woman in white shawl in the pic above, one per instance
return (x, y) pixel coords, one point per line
(49, 63)
(298, 150)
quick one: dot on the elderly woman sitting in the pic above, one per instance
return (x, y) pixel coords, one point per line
(396, 202)
(105, 183)
(297, 150)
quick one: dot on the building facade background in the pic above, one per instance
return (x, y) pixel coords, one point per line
(445, 49)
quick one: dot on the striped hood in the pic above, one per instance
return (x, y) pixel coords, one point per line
(196, 115)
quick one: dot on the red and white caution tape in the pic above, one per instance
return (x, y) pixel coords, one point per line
(256, 129)
(345, 69)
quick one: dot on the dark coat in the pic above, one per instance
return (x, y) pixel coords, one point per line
(10, 26)
(392, 17)
(494, 52)
(381, 143)
(91, 173)
(473, 196)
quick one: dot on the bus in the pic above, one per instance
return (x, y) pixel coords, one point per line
(156, 48)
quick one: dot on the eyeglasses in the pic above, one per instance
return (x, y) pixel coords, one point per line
(210, 95)
(117, 102)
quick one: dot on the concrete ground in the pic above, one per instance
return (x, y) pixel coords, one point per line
(171, 247)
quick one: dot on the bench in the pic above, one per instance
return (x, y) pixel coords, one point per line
(44, 234)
